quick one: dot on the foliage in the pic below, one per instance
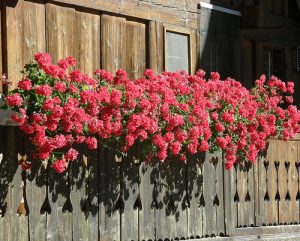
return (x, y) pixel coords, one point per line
(170, 114)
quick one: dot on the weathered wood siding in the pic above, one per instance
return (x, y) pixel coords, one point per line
(96, 34)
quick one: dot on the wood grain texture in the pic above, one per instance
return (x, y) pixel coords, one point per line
(171, 13)
(136, 48)
(87, 41)
(59, 223)
(17, 224)
(292, 152)
(171, 213)
(284, 205)
(60, 25)
(148, 196)
(263, 166)
(272, 205)
(113, 46)
(15, 31)
(25, 26)
(156, 44)
(34, 40)
(195, 177)
(230, 205)
(110, 191)
(79, 199)
(130, 190)
(36, 194)
(209, 191)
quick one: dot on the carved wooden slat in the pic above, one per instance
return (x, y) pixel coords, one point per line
(131, 195)
(272, 205)
(110, 196)
(210, 194)
(263, 197)
(285, 210)
(292, 150)
(195, 177)
(246, 209)
(148, 195)
(171, 213)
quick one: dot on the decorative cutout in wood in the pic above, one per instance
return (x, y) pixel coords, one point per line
(186, 202)
(202, 201)
(297, 164)
(154, 204)
(68, 207)
(247, 168)
(216, 201)
(236, 198)
(120, 204)
(138, 204)
(266, 165)
(46, 208)
(287, 167)
(23, 206)
(277, 196)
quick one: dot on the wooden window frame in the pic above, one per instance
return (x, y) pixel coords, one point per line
(272, 48)
(181, 31)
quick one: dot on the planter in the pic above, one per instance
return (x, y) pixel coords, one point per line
(5, 116)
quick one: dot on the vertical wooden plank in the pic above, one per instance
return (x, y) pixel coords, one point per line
(156, 46)
(250, 195)
(219, 197)
(17, 224)
(87, 41)
(36, 195)
(34, 40)
(80, 213)
(195, 195)
(130, 191)
(15, 33)
(171, 217)
(242, 190)
(34, 29)
(59, 223)
(136, 48)
(230, 203)
(84, 193)
(263, 198)
(60, 22)
(272, 205)
(292, 181)
(60, 32)
(5, 180)
(111, 200)
(194, 57)
(113, 46)
(285, 211)
(212, 196)
(148, 194)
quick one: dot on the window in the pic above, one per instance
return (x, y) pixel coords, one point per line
(177, 51)
(274, 62)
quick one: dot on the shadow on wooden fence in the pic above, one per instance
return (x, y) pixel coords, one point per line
(102, 197)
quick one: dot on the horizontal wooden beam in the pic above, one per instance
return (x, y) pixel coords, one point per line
(176, 15)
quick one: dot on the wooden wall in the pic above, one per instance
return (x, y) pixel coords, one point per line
(98, 35)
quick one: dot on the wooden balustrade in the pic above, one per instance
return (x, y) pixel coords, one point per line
(103, 197)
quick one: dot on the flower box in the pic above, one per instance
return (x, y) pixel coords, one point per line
(5, 116)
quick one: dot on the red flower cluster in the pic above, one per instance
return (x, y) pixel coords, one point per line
(170, 114)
